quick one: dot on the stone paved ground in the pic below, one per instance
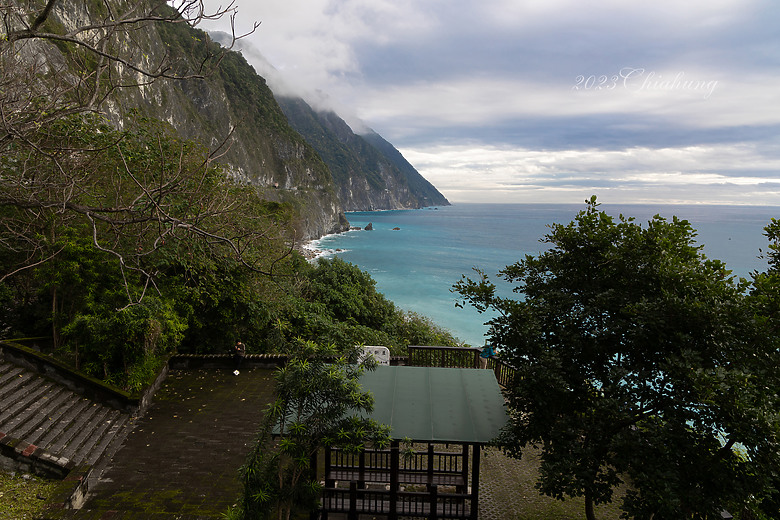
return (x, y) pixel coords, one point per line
(183, 456)
(507, 492)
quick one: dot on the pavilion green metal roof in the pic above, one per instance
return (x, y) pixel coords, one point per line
(459, 405)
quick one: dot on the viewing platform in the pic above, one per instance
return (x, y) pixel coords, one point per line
(454, 411)
(180, 458)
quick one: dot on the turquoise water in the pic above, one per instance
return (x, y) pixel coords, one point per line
(416, 265)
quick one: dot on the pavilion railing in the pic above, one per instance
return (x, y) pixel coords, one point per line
(430, 504)
(414, 467)
(425, 482)
(504, 372)
(449, 357)
(458, 357)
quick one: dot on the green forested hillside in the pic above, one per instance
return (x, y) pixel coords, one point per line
(125, 234)
(118, 291)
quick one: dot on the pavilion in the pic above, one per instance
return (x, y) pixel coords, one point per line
(454, 411)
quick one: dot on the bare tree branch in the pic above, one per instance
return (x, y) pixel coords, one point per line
(110, 54)
(30, 266)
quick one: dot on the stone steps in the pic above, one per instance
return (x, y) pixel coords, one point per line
(45, 417)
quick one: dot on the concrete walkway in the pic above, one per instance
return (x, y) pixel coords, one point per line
(182, 459)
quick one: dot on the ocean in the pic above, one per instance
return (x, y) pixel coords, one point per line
(416, 256)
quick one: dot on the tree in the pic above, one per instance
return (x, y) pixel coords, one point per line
(318, 403)
(765, 296)
(766, 286)
(145, 199)
(349, 294)
(62, 167)
(148, 223)
(638, 361)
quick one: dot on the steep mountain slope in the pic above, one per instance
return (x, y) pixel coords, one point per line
(231, 110)
(418, 184)
(370, 174)
(314, 161)
(262, 148)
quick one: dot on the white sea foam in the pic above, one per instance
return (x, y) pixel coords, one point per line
(319, 248)
(327, 253)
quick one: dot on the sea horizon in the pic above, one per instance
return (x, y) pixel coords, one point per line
(416, 255)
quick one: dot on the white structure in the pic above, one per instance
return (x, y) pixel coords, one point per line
(381, 354)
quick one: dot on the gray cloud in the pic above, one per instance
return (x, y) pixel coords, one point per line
(532, 92)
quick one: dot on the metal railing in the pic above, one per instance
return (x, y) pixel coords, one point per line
(448, 357)
(458, 357)
(503, 371)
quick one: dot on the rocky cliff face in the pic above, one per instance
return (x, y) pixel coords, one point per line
(234, 113)
(370, 174)
(425, 192)
(231, 111)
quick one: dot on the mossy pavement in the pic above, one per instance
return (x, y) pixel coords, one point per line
(507, 492)
(182, 459)
(184, 454)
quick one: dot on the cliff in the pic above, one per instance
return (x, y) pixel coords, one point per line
(369, 172)
(230, 110)
(425, 192)
(236, 106)
(233, 112)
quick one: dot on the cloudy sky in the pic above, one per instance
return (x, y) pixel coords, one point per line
(547, 100)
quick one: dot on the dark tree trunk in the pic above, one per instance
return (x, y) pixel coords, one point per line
(55, 318)
(589, 513)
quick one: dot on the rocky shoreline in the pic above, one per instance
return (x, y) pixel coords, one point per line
(307, 253)
(310, 251)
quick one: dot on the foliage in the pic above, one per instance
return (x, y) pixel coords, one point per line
(319, 402)
(24, 496)
(766, 286)
(99, 306)
(637, 358)
(416, 329)
(136, 192)
(157, 241)
(338, 303)
(124, 243)
(765, 296)
(133, 338)
(349, 294)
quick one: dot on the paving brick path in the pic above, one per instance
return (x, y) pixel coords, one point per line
(182, 458)
(507, 492)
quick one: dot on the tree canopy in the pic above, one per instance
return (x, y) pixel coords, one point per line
(121, 240)
(62, 165)
(640, 362)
